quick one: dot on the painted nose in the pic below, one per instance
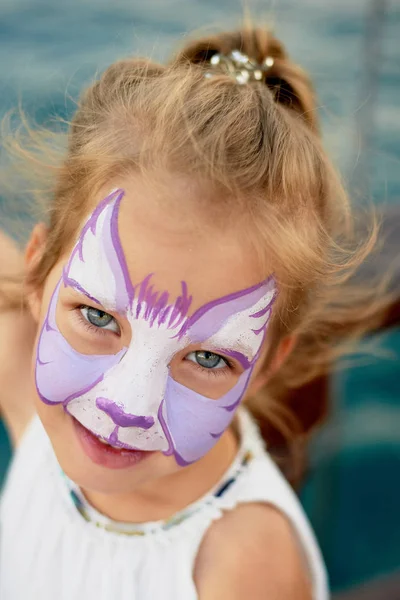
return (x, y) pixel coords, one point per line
(121, 418)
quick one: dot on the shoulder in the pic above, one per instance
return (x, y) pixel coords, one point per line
(251, 552)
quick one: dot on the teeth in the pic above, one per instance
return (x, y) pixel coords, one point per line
(107, 444)
(103, 442)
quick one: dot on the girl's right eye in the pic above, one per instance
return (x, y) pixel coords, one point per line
(99, 318)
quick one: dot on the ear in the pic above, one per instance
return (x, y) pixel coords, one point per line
(285, 347)
(33, 254)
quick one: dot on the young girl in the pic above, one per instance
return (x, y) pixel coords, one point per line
(197, 232)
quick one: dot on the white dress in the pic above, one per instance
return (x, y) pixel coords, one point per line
(55, 547)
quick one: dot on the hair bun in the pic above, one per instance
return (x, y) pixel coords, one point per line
(287, 81)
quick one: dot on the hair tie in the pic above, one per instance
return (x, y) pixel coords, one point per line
(239, 66)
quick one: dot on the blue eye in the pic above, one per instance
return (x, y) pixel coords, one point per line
(99, 318)
(207, 360)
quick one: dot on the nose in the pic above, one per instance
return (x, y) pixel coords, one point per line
(121, 418)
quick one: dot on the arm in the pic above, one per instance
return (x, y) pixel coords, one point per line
(17, 333)
(251, 553)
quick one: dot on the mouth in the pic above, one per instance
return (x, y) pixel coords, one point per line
(101, 452)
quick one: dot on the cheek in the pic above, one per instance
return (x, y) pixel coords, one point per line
(195, 423)
(54, 418)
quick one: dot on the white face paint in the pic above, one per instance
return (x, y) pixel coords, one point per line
(130, 399)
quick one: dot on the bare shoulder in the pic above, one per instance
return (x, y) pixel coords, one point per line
(251, 552)
(16, 340)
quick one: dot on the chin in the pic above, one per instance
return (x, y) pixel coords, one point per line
(102, 480)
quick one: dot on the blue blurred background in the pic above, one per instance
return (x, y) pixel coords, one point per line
(351, 48)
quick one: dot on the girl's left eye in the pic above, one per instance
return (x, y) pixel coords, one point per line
(207, 360)
(99, 318)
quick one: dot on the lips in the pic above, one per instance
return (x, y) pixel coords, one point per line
(103, 453)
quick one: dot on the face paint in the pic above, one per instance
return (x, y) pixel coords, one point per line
(130, 398)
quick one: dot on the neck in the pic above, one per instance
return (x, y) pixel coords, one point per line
(164, 497)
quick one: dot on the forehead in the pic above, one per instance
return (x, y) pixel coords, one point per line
(165, 235)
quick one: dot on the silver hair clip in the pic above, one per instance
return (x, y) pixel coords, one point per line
(239, 66)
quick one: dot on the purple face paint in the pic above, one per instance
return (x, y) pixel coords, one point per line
(130, 398)
(121, 418)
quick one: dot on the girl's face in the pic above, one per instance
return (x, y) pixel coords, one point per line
(150, 334)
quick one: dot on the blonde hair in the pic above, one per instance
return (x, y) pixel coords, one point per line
(258, 146)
